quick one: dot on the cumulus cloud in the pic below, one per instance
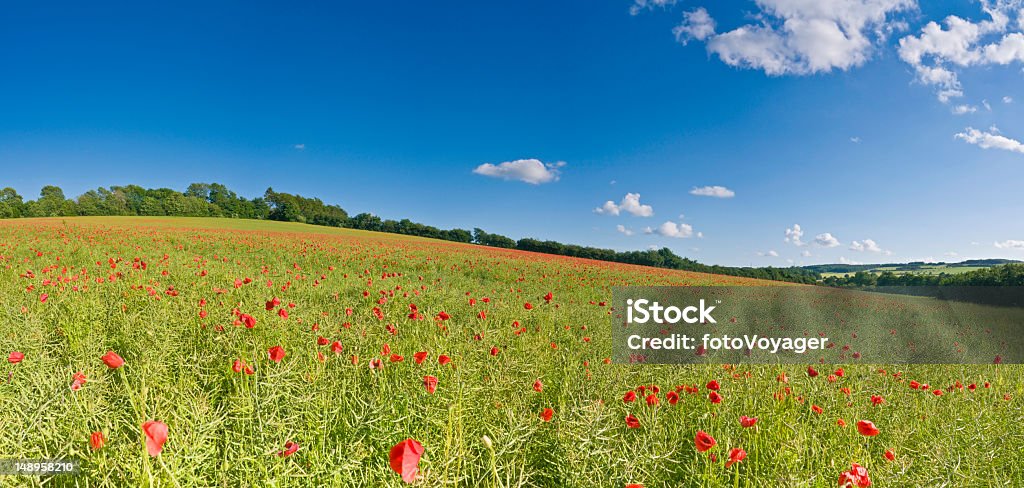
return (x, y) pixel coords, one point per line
(940, 49)
(672, 229)
(964, 109)
(641, 5)
(794, 234)
(630, 204)
(799, 37)
(826, 240)
(771, 254)
(1010, 244)
(530, 171)
(624, 230)
(990, 139)
(697, 25)
(805, 254)
(1007, 99)
(713, 191)
(868, 245)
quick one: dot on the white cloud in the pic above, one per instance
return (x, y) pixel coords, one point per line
(624, 230)
(951, 254)
(713, 191)
(868, 245)
(990, 139)
(855, 139)
(1010, 244)
(959, 43)
(843, 260)
(530, 171)
(826, 240)
(696, 25)
(641, 5)
(805, 254)
(964, 109)
(800, 37)
(771, 254)
(1007, 99)
(630, 203)
(984, 103)
(300, 147)
(794, 234)
(672, 229)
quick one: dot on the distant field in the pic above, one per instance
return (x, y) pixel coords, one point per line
(365, 323)
(924, 270)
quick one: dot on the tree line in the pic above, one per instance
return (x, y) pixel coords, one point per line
(216, 200)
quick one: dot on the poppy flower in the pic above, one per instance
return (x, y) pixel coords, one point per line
(672, 397)
(703, 441)
(43, 298)
(96, 441)
(276, 353)
(857, 476)
(78, 380)
(396, 358)
(890, 455)
(15, 357)
(914, 385)
(336, 347)
(548, 297)
(652, 400)
(404, 459)
(714, 397)
(528, 306)
(430, 383)
(443, 360)
(632, 422)
(156, 435)
(629, 397)
(237, 366)
(841, 423)
(546, 414)
(494, 351)
(248, 320)
(867, 428)
(112, 360)
(816, 409)
(735, 455)
(812, 372)
(419, 357)
(747, 421)
(877, 400)
(538, 386)
(289, 449)
(713, 385)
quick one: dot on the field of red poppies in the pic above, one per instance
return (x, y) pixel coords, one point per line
(199, 352)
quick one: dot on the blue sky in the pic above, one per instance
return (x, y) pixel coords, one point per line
(838, 116)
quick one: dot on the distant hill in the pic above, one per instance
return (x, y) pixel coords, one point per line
(916, 267)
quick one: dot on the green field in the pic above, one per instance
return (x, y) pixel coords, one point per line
(169, 294)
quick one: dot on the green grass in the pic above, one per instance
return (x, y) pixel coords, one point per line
(225, 427)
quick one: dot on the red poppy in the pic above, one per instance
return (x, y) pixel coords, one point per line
(276, 353)
(237, 366)
(528, 306)
(15, 357)
(632, 422)
(405, 459)
(672, 397)
(867, 428)
(652, 399)
(735, 455)
(890, 455)
(336, 347)
(548, 297)
(96, 441)
(714, 397)
(914, 385)
(857, 476)
(443, 360)
(812, 372)
(289, 449)
(713, 385)
(703, 441)
(248, 320)
(43, 298)
(156, 435)
(78, 380)
(629, 397)
(816, 409)
(841, 423)
(877, 400)
(430, 383)
(494, 351)
(538, 386)
(747, 421)
(419, 357)
(546, 414)
(112, 360)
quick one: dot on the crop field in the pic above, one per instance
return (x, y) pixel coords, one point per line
(217, 352)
